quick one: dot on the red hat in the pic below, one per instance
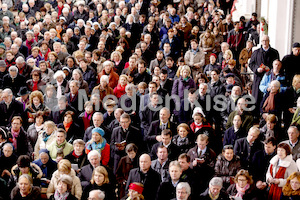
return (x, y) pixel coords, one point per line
(136, 187)
(213, 54)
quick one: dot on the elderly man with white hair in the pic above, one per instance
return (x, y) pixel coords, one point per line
(22, 48)
(13, 80)
(96, 195)
(23, 68)
(214, 191)
(86, 172)
(183, 191)
(9, 108)
(6, 12)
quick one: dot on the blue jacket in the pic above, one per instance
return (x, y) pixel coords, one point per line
(267, 79)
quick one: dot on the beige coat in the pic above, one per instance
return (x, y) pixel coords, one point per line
(191, 59)
(76, 189)
(288, 163)
(40, 144)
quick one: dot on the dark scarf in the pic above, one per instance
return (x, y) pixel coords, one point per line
(269, 103)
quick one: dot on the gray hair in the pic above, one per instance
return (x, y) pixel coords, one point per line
(8, 91)
(216, 181)
(107, 62)
(13, 68)
(94, 153)
(76, 83)
(30, 32)
(59, 73)
(26, 176)
(104, 78)
(98, 114)
(185, 185)
(19, 59)
(130, 87)
(99, 194)
(79, 141)
(276, 82)
(67, 180)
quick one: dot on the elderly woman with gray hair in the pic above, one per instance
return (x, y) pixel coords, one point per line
(63, 190)
(103, 88)
(214, 191)
(25, 189)
(60, 83)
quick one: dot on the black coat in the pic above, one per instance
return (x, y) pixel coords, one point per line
(291, 65)
(166, 190)
(151, 181)
(15, 109)
(230, 136)
(80, 161)
(73, 101)
(216, 88)
(13, 84)
(259, 57)
(133, 135)
(23, 145)
(148, 115)
(107, 188)
(222, 196)
(173, 151)
(70, 197)
(260, 164)
(57, 116)
(279, 101)
(243, 149)
(74, 132)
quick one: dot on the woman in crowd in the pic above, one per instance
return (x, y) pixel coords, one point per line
(45, 138)
(184, 82)
(54, 61)
(243, 186)
(47, 73)
(184, 139)
(60, 147)
(117, 60)
(36, 100)
(135, 191)
(73, 130)
(64, 168)
(77, 75)
(35, 128)
(7, 161)
(25, 190)
(100, 181)
(60, 83)
(85, 118)
(71, 63)
(63, 190)
(36, 82)
(281, 167)
(227, 56)
(109, 71)
(227, 165)
(125, 165)
(103, 88)
(99, 143)
(291, 190)
(120, 89)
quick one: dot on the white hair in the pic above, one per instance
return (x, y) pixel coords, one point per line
(94, 153)
(216, 181)
(59, 73)
(104, 78)
(184, 185)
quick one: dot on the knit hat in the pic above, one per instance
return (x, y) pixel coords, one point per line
(98, 130)
(213, 55)
(2, 46)
(2, 63)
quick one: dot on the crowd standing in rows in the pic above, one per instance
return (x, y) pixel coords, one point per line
(140, 99)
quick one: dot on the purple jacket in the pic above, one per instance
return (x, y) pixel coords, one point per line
(180, 85)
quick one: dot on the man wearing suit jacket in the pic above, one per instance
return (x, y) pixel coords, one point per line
(9, 108)
(59, 111)
(72, 96)
(293, 141)
(146, 175)
(246, 147)
(154, 133)
(165, 82)
(125, 134)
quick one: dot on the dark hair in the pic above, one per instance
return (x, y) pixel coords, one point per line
(185, 156)
(286, 147)
(151, 82)
(70, 113)
(131, 147)
(167, 132)
(271, 140)
(192, 90)
(23, 161)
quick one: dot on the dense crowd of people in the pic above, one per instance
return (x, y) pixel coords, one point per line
(140, 99)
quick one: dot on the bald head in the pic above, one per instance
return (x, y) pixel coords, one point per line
(145, 162)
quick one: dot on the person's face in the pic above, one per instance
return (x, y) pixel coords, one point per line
(214, 75)
(145, 163)
(276, 66)
(156, 80)
(197, 119)
(242, 181)
(143, 47)
(230, 80)
(103, 83)
(281, 153)
(166, 139)
(9, 56)
(62, 105)
(152, 88)
(7, 151)
(51, 58)
(131, 154)
(132, 62)
(95, 161)
(185, 73)
(182, 194)
(295, 184)
(164, 116)
(184, 164)
(24, 186)
(237, 121)
(125, 123)
(96, 137)
(13, 73)
(44, 158)
(293, 134)
(35, 53)
(167, 47)
(73, 88)
(215, 189)
(175, 172)
(212, 59)
(241, 104)
(78, 148)
(162, 153)
(202, 90)
(68, 119)
(252, 136)
(123, 81)
(16, 125)
(141, 68)
(154, 100)
(62, 187)
(182, 132)
(156, 71)
(99, 178)
(270, 125)
(274, 87)
(269, 148)
(76, 76)
(49, 129)
(202, 144)
(133, 194)
(60, 138)
(43, 67)
(163, 77)
(228, 154)
(36, 101)
(24, 170)
(296, 51)
(265, 42)
(29, 37)
(236, 91)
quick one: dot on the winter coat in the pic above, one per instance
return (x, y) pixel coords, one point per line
(76, 189)
(249, 193)
(40, 144)
(180, 85)
(267, 79)
(113, 78)
(35, 194)
(53, 151)
(227, 169)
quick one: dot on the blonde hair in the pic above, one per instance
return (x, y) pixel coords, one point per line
(64, 165)
(37, 94)
(185, 67)
(113, 54)
(100, 170)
